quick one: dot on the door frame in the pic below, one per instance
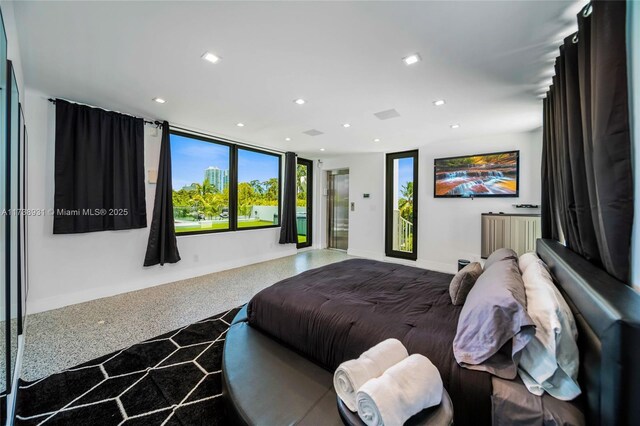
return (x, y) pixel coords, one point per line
(388, 205)
(309, 165)
(328, 204)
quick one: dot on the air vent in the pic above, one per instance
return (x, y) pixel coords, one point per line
(385, 115)
(313, 132)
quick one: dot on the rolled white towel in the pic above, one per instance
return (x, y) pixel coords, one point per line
(401, 392)
(354, 373)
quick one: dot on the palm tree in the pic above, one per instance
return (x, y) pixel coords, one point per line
(405, 203)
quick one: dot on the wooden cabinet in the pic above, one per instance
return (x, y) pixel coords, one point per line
(515, 231)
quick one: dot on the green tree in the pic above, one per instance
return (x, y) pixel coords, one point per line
(405, 203)
(246, 198)
(301, 184)
(271, 191)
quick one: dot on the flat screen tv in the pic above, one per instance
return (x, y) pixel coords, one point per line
(481, 175)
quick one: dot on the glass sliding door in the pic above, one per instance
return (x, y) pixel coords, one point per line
(304, 202)
(401, 205)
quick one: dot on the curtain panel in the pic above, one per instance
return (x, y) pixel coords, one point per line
(162, 246)
(587, 181)
(288, 226)
(99, 170)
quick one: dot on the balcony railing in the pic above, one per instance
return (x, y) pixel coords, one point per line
(402, 233)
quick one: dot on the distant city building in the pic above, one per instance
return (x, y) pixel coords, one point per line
(218, 178)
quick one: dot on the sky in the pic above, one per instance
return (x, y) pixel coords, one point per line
(190, 158)
(405, 171)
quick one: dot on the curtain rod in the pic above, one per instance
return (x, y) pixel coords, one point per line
(146, 121)
(209, 135)
(184, 129)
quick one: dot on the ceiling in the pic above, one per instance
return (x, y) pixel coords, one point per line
(490, 61)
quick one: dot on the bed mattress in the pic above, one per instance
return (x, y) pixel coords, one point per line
(334, 313)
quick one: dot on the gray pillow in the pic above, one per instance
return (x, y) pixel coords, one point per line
(498, 255)
(494, 326)
(463, 281)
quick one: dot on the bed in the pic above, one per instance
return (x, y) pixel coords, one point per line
(281, 351)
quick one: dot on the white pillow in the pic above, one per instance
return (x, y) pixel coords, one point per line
(550, 361)
(526, 260)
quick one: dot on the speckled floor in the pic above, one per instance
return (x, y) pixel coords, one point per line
(62, 338)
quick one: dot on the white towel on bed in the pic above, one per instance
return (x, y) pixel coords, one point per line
(352, 374)
(401, 392)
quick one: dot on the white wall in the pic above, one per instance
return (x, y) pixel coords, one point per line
(449, 228)
(68, 269)
(633, 49)
(366, 228)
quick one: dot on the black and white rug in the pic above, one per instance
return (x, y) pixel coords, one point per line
(173, 379)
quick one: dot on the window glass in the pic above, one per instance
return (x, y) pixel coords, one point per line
(258, 189)
(401, 205)
(200, 179)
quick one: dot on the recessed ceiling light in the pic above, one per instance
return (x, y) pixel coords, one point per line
(376, 140)
(208, 56)
(454, 126)
(439, 102)
(287, 139)
(240, 124)
(411, 59)
(346, 125)
(321, 149)
(159, 100)
(300, 101)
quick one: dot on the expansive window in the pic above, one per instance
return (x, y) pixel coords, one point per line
(304, 184)
(258, 189)
(402, 205)
(218, 186)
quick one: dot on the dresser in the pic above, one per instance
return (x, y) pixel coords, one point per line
(511, 230)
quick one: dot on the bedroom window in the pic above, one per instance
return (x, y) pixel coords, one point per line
(200, 171)
(258, 189)
(401, 212)
(218, 186)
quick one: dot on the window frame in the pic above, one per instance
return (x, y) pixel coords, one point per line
(259, 151)
(309, 165)
(233, 183)
(388, 207)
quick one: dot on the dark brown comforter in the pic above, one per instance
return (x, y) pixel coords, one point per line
(334, 313)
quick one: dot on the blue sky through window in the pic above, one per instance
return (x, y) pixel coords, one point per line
(256, 166)
(405, 171)
(190, 157)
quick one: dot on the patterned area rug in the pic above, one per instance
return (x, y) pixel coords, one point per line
(173, 379)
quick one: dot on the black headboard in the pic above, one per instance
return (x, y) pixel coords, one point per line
(607, 314)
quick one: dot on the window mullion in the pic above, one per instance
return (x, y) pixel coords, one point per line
(233, 189)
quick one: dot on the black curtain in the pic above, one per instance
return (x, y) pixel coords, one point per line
(587, 180)
(99, 170)
(288, 225)
(162, 246)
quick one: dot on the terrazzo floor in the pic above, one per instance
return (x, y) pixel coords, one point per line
(62, 338)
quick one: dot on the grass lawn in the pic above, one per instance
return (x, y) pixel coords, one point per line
(221, 225)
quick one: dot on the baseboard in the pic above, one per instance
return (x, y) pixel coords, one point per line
(369, 254)
(437, 266)
(449, 268)
(56, 302)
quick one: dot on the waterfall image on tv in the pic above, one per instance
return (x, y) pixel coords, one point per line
(482, 175)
